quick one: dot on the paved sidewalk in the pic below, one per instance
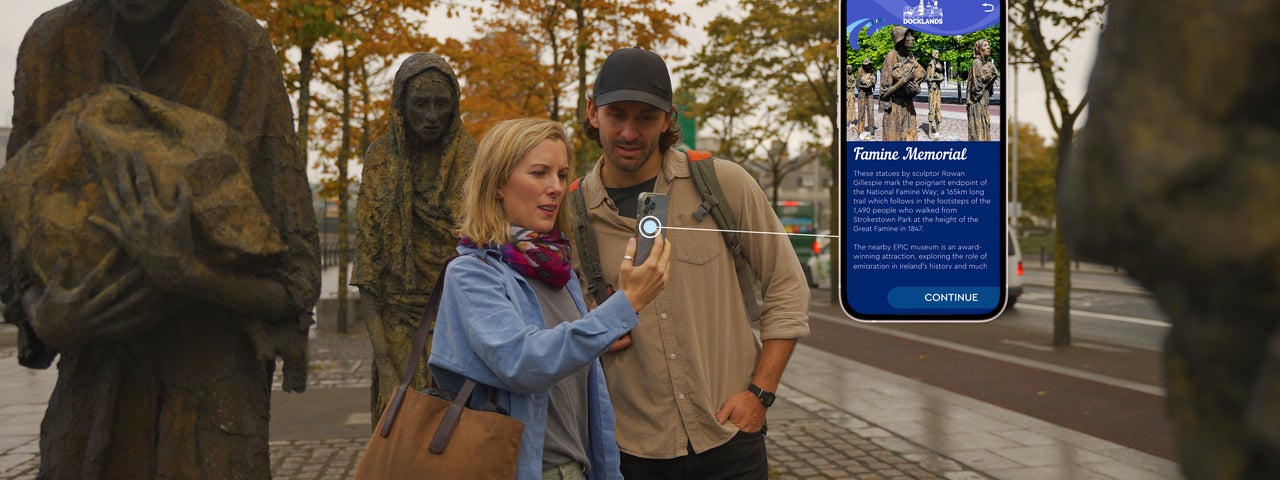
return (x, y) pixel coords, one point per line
(321, 433)
(835, 418)
(1084, 276)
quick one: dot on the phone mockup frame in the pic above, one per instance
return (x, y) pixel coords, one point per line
(923, 196)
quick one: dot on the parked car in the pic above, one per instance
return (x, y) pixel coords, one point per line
(1014, 269)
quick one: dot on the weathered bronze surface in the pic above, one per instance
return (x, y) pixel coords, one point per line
(899, 84)
(933, 75)
(866, 85)
(158, 235)
(982, 79)
(1176, 178)
(406, 213)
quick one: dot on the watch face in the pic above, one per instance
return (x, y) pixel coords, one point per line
(767, 398)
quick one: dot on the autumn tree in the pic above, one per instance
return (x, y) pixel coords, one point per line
(1037, 169)
(301, 26)
(728, 100)
(779, 164)
(780, 50)
(568, 38)
(1042, 31)
(760, 144)
(499, 83)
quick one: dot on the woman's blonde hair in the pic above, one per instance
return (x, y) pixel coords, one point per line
(503, 146)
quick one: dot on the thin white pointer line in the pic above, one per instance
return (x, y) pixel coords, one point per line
(749, 231)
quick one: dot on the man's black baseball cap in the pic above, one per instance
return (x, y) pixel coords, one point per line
(634, 74)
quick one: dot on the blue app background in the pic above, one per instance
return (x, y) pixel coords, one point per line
(960, 16)
(903, 255)
(911, 230)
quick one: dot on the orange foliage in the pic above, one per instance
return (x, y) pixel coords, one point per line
(501, 80)
(356, 45)
(533, 58)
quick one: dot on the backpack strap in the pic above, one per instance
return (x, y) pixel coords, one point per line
(588, 249)
(703, 171)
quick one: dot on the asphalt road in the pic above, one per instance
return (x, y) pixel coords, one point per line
(1127, 320)
(1108, 383)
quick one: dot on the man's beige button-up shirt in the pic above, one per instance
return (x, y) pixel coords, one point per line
(693, 347)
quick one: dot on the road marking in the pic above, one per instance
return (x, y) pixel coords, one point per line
(1048, 348)
(1103, 316)
(1033, 346)
(1103, 379)
(361, 418)
(1100, 347)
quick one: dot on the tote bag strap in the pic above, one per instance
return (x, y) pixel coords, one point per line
(419, 342)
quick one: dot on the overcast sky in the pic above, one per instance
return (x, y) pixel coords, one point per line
(17, 17)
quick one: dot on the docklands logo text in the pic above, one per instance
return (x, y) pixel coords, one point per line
(926, 13)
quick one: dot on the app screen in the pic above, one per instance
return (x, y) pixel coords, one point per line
(923, 196)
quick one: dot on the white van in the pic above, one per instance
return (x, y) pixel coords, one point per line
(1014, 269)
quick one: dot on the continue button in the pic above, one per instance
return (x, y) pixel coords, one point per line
(944, 297)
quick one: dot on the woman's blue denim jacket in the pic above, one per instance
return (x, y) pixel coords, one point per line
(490, 328)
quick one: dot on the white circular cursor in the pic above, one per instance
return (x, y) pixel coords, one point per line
(650, 226)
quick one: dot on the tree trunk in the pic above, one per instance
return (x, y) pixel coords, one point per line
(555, 62)
(344, 155)
(304, 98)
(583, 161)
(1061, 255)
(1061, 290)
(366, 99)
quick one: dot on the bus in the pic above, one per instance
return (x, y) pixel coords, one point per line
(799, 217)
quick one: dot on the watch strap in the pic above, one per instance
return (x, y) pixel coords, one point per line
(766, 397)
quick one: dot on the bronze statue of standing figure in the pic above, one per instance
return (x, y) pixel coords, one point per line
(850, 96)
(157, 235)
(406, 214)
(899, 83)
(933, 75)
(866, 85)
(982, 79)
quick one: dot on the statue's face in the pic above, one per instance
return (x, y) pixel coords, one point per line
(909, 41)
(139, 11)
(428, 105)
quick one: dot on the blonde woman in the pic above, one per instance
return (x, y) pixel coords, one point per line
(512, 315)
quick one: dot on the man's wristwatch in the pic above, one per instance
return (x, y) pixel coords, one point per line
(765, 397)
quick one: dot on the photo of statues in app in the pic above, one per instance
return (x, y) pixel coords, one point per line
(904, 84)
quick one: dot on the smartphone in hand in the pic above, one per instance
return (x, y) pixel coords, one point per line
(651, 216)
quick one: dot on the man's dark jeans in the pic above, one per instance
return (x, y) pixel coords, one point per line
(741, 458)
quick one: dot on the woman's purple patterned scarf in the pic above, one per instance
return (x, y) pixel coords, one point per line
(539, 256)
